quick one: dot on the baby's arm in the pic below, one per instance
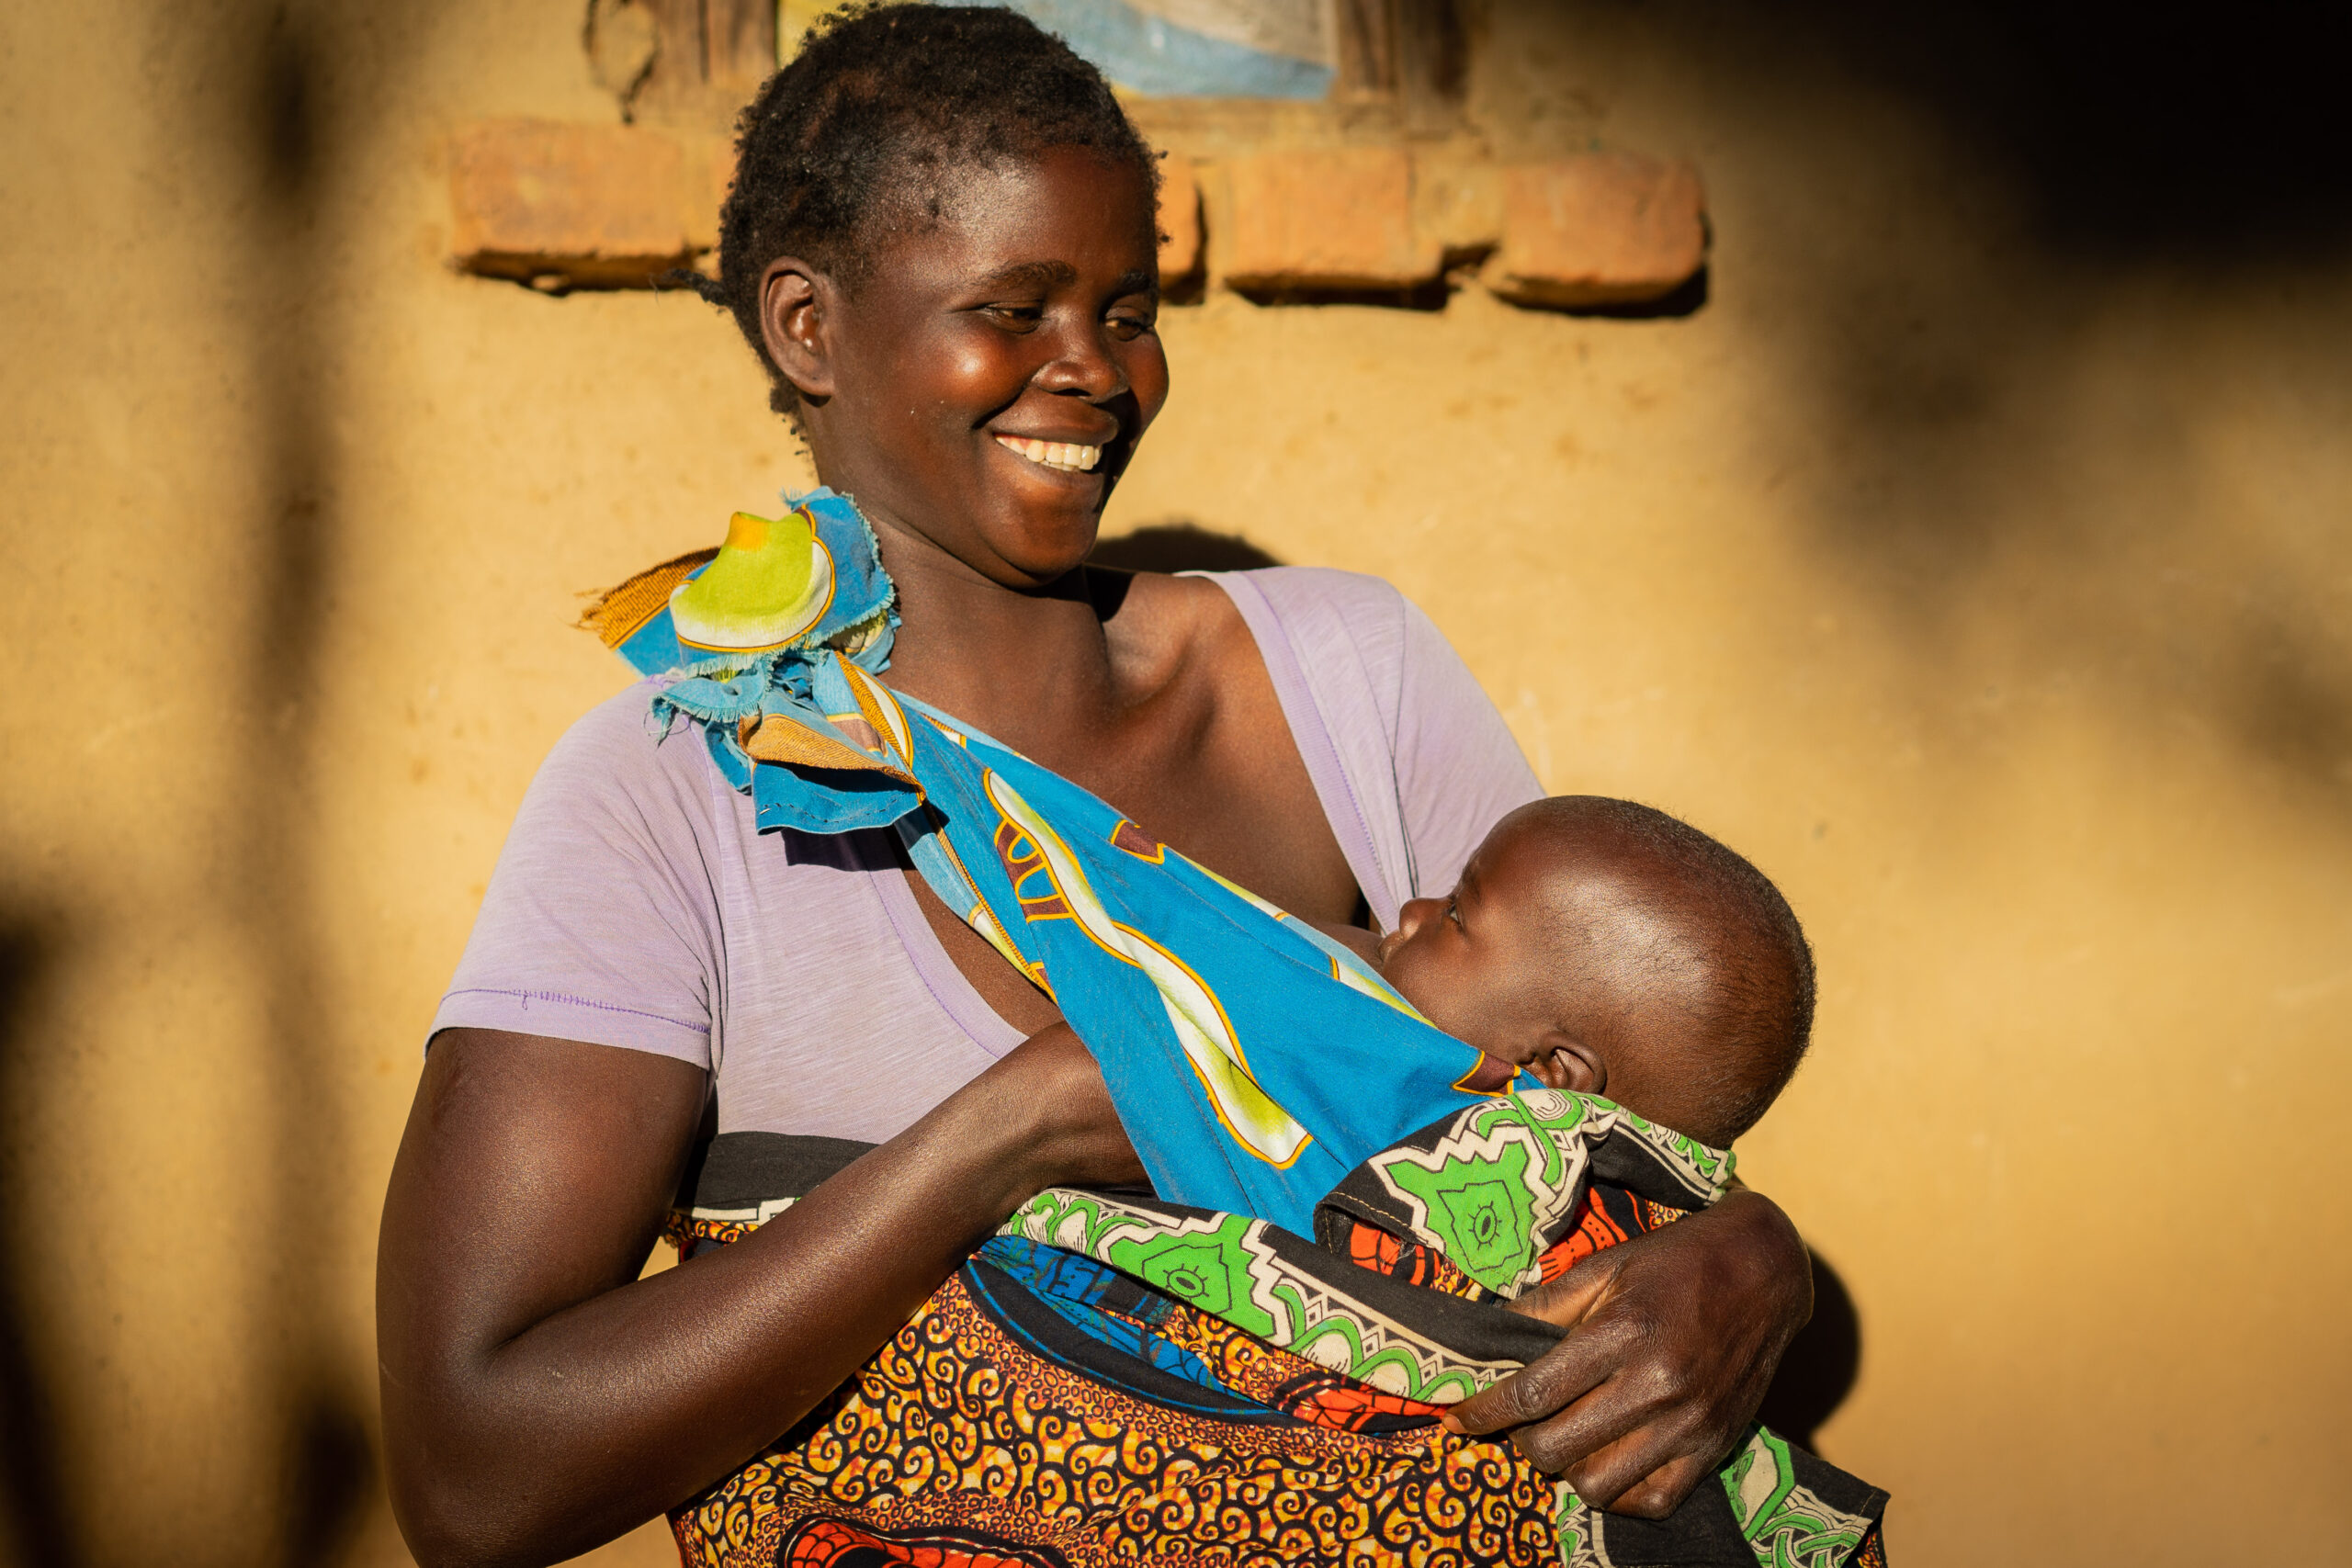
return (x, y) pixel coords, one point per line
(1356, 938)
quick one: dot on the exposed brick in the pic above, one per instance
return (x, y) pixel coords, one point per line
(710, 169)
(1599, 229)
(1458, 202)
(1337, 219)
(1179, 218)
(570, 204)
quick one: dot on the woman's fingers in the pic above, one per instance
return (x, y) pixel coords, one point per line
(1634, 1443)
(1570, 1299)
(1671, 1340)
(1553, 1386)
(1617, 1431)
(1653, 1497)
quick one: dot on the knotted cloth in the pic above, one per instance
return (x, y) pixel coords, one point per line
(1244, 1364)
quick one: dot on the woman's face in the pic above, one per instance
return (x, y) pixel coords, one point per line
(1018, 327)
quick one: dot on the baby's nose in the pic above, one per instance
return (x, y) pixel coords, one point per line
(1416, 913)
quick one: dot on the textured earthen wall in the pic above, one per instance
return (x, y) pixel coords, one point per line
(1984, 578)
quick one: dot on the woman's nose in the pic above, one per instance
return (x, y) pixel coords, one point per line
(1085, 364)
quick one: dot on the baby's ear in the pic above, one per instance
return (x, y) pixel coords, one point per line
(1562, 1061)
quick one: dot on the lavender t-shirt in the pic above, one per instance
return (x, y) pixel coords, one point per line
(636, 904)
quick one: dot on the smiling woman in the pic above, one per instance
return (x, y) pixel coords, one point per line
(966, 370)
(940, 244)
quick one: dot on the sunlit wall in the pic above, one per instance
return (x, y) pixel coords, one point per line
(1978, 558)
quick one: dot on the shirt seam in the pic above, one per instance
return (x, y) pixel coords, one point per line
(734, 872)
(571, 1000)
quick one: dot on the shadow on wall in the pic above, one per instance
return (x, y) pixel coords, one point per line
(1821, 1365)
(2137, 132)
(328, 1467)
(1179, 544)
(2075, 380)
(255, 93)
(33, 1524)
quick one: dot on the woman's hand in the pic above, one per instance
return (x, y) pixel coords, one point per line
(1672, 1339)
(539, 1398)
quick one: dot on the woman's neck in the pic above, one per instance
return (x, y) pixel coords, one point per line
(1031, 667)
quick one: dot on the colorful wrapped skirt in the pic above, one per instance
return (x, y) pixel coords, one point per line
(1045, 1409)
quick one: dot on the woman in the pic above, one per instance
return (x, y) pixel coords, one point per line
(941, 241)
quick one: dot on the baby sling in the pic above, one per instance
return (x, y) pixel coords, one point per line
(1246, 1363)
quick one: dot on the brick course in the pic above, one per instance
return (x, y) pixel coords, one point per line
(1179, 218)
(564, 206)
(1598, 229)
(1338, 220)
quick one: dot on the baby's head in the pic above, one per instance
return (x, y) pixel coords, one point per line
(1607, 948)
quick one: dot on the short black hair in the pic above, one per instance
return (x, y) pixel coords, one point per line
(883, 105)
(1758, 1019)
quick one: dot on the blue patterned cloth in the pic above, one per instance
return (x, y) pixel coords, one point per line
(1253, 1061)
(1261, 1070)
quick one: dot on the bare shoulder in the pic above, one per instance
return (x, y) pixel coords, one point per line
(1167, 630)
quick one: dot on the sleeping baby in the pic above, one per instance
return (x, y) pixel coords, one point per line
(1609, 948)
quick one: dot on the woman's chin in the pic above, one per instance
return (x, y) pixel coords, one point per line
(1046, 545)
(1043, 563)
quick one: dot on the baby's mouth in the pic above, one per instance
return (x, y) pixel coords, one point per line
(1063, 456)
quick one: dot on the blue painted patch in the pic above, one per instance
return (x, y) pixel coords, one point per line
(1157, 56)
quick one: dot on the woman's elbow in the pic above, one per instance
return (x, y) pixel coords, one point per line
(459, 1507)
(452, 1521)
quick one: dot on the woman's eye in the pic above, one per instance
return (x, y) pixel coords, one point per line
(1021, 316)
(1127, 328)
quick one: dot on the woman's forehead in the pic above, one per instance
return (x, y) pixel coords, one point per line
(1066, 185)
(1037, 220)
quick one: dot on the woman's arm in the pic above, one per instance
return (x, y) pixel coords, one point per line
(538, 1397)
(1673, 1337)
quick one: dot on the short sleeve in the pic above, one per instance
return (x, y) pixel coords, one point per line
(601, 922)
(1411, 762)
(1459, 771)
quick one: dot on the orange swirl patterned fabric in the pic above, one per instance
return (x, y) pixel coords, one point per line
(1224, 1368)
(956, 1446)
(990, 1433)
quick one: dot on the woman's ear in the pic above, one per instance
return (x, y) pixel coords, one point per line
(1562, 1061)
(795, 319)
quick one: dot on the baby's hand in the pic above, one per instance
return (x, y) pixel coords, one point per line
(1491, 1075)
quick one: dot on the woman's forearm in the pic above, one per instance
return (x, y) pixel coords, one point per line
(610, 1411)
(540, 1401)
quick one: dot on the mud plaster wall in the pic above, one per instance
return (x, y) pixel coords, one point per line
(1975, 562)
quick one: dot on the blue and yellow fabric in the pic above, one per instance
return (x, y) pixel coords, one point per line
(1286, 1101)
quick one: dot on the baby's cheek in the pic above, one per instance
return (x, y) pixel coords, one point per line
(1451, 1009)
(1414, 982)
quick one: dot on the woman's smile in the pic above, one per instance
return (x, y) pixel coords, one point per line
(984, 387)
(1063, 456)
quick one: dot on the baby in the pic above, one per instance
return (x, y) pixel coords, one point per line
(1611, 949)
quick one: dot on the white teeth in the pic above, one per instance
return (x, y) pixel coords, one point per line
(1068, 456)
